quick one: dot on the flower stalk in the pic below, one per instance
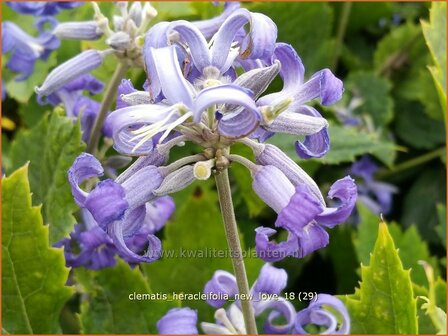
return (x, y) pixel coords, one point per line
(106, 104)
(233, 241)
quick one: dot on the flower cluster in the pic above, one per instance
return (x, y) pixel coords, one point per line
(211, 93)
(271, 281)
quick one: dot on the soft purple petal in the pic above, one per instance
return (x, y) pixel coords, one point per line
(209, 27)
(82, 30)
(70, 70)
(301, 210)
(365, 168)
(316, 314)
(297, 124)
(84, 167)
(346, 192)
(280, 308)
(158, 212)
(195, 41)
(273, 187)
(106, 202)
(270, 251)
(271, 280)
(174, 86)
(272, 155)
(125, 120)
(228, 94)
(85, 82)
(258, 43)
(139, 187)
(151, 254)
(313, 237)
(222, 283)
(153, 159)
(324, 85)
(178, 321)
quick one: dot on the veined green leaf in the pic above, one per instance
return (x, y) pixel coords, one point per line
(435, 36)
(51, 147)
(385, 302)
(33, 274)
(411, 247)
(119, 301)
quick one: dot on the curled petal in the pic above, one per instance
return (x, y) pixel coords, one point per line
(324, 85)
(222, 94)
(316, 314)
(70, 70)
(222, 283)
(196, 42)
(292, 67)
(84, 167)
(346, 192)
(310, 239)
(154, 245)
(128, 119)
(271, 280)
(124, 88)
(280, 308)
(301, 210)
(209, 27)
(238, 124)
(315, 145)
(106, 202)
(259, 42)
(270, 251)
(174, 86)
(178, 321)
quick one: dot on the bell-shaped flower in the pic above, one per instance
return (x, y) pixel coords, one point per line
(300, 212)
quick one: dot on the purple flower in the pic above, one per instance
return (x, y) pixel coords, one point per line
(377, 196)
(316, 314)
(272, 281)
(300, 212)
(76, 104)
(323, 85)
(96, 248)
(25, 49)
(40, 8)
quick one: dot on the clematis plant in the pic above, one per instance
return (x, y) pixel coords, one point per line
(272, 281)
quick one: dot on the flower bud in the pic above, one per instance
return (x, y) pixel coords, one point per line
(87, 30)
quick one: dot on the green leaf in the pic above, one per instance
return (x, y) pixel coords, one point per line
(341, 150)
(51, 147)
(419, 206)
(441, 227)
(415, 128)
(411, 247)
(435, 36)
(33, 274)
(365, 14)
(384, 303)
(194, 248)
(111, 307)
(374, 91)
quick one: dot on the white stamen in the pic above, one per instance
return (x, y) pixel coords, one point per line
(221, 316)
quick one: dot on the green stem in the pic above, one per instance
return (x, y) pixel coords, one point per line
(342, 28)
(236, 254)
(108, 99)
(412, 163)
